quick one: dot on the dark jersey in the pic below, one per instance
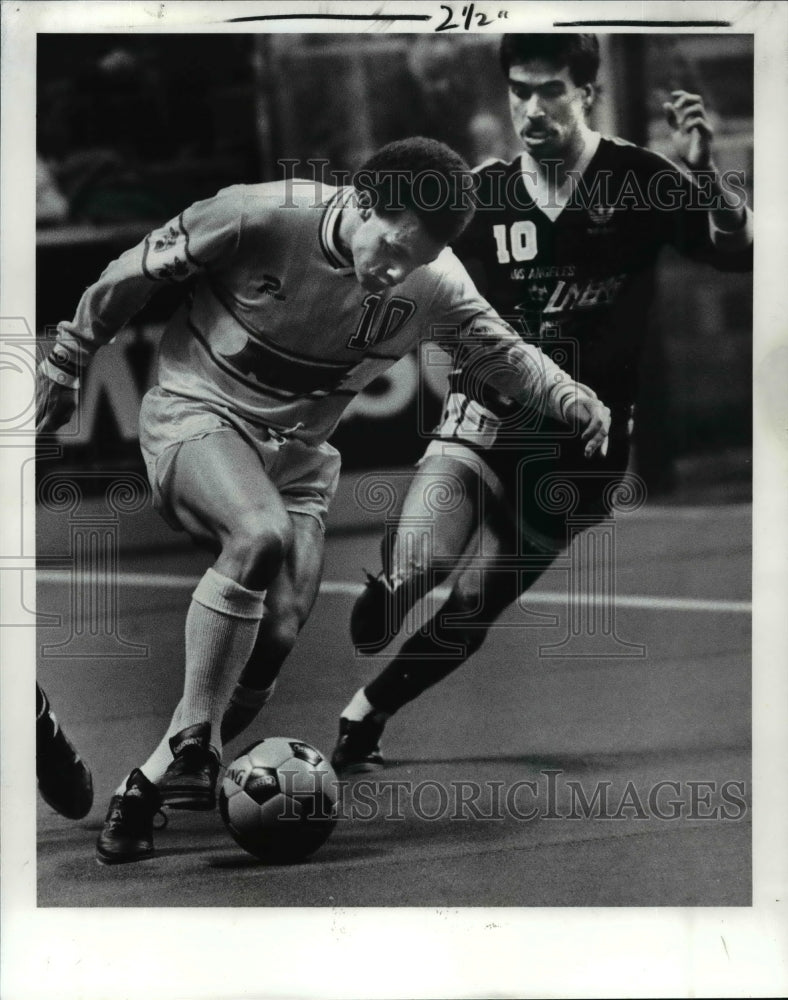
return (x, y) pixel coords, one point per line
(576, 281)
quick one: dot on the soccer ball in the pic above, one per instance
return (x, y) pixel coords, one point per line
(278, 799)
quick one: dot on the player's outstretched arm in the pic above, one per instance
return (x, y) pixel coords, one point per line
(541, 384)
(488, 353)
(495, 356)
(203, 233)
(594, 417)
(693, 137)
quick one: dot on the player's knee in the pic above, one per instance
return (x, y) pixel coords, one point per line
(259, 541)
(281, 633)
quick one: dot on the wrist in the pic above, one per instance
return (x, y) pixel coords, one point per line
(568, 397)
(66, 361)
(726, 211)
(57, 375)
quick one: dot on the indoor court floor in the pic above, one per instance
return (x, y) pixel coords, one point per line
(489, 795)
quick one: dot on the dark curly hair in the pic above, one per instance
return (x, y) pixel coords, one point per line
(579, 53)
(424, 176)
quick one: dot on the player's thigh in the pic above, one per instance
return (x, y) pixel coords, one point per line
(441, 512)
(218, 489)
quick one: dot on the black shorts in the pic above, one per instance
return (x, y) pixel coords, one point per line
(548, 490)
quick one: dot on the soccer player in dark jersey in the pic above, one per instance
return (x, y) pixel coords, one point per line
(301, 294)
(563, 244)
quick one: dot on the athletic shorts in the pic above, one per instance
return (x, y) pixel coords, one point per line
(306, 475)
(548, 491)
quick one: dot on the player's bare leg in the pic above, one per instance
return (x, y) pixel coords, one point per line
(479, 595)
(440, 515)
(222, 496)
(218, 489)
(288, 604)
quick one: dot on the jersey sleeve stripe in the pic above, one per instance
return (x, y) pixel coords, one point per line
(192, 260)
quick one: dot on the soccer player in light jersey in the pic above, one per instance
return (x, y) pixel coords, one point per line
(301, 296)
(563, 244)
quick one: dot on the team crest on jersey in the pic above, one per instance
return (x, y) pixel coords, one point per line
(539, 292)
(166, 256)
(165, 239)
(600, 215)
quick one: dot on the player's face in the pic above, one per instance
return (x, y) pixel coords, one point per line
(548, 110)
(385, 249)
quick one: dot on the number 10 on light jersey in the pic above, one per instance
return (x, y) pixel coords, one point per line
(378, 324)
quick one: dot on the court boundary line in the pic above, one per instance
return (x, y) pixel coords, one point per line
(174, 581)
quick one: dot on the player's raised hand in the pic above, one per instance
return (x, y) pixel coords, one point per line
(692, 132)
(594, 417)
(54, 403)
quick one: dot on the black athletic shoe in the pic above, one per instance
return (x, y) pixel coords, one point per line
(377, 615)
(64, 780)
(358, 747)
(127, 834)
(190, 780)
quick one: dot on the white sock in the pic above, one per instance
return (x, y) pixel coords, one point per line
(221, 630)
(158, 762)
(245, 703)
(359, 707)
(214, 594)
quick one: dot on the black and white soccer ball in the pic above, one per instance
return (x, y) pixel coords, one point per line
(278, 799)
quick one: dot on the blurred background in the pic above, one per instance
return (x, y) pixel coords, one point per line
(133, 128)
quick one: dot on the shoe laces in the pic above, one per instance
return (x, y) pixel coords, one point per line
(116, 817)
(132, 812)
